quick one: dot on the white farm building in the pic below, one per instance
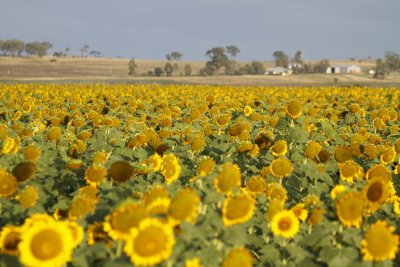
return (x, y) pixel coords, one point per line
(352, 69)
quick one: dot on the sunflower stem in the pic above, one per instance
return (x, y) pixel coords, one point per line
(118, 253)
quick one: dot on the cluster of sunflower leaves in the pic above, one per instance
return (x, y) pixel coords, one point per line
(182, 175)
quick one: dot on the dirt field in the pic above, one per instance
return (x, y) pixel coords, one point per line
(69, 70)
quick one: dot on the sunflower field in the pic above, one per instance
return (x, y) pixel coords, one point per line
(183, 175)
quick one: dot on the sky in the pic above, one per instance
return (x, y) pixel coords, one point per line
(150, 29)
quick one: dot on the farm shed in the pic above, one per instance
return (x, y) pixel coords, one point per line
(278, 71)
(352, 69)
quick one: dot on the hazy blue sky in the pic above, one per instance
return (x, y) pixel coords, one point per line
(149, 29)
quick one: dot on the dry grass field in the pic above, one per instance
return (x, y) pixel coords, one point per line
(116, 70)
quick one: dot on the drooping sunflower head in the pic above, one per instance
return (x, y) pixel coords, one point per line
(350, 170)
(388, 155)
(32, 153)
(95, 174)
(294, 109)
(154, 162)
(281, 167)
(285, 224)
(46, 244)
(205, 166)
(313, 148)
(24, 171)
(380, 242)
(343, 154)
(124, 218)
(170, 168)
(10, 146)
(316, 216)
(10, 237)
(8, 183)
(256, 185)
(280, 148)
(237, 209)
(350, 208)
(184, 206)
(238, 257)
(150, 243)
(80, 207)
(276, 191)
(121, 171)
(379, 170)
(227, 178)
(100, 157)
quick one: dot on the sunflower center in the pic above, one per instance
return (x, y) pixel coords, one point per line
(11, 241)
(46, 244)
(150, 241)
(170, 169)
(284, 225)
(125, 220)
(379, 242)
(349, 171)
(237, 208)
(375, 192)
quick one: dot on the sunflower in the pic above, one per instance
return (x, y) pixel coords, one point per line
(32, 153)
(337, 190)
(316, 216)
(205, 166)
(155, 192)
(294, 108)
(276, 191)
(238, 257)
(170, 168)
(247, 110)
(74, 164)
(8, 183)
(281, 167)
(80, 207)
(54, 133)
(285, 224)
(280, 148)
(350, 208)
(95, 175)
(159, 207)
(24, 171)
(124, 218)
(275, 205)
(89, 192)
(154, 162)
(46, 244)
(184, 206)
(198, 143)
(343, 154)
(256, 185)
(375, 193)
(10, 237)
(313, 148)
(76, 232)
(9, 146)
(378, 170)
(237, 209)
(380, 242)
(151, 243)
(100, 157)
(388, 155)
(350, 170)
(193, 262)
(300, 211)
(227, 178)
(28, 197)
(121, 171)
(96, 233)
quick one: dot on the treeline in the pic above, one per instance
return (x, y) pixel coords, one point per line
(15, 47)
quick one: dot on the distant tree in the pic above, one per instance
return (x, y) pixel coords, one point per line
(218, 59)
(95, 53)
(254, 68)
(174, 56)
(132, 67)
(232, 50)
(37, 48)
(188, 69)
(281, 59)
(298, 57)
(66, 51)
(321, 66)
(380, 69)
(58, 54)
(168, 69)
(84, 50)
(13, 47)
(158, 72)
(1, 47)
(392, 61)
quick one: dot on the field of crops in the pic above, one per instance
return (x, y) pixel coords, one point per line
(150, 175)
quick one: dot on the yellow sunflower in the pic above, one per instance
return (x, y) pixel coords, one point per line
(155, 192)
(100, 157)
(170, 168)
(150, 243)
(378, 170)
(205, 166)
(95, 175)
(184, 206)
(388, 155)
(280, 148)
(294, 108)
(76, 232)
(238, 257)
(237, 209)
(350, 170)
(350, 209)
(300, 211)
(343, 154)
(9, 146)
(247, 110)
(32, 153)
(337, 190)
(376, 192)
(124, 218)
(8, 183)
(96, 233)
(380, 242)
(28, 197)
(313, 148)
(227, 178)
(285, 224)
(154, 162)
(316, 216)
(256, 185)
(10, 237)
(281, 167)
(276, 191)
(193, 262)
(46, 244)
